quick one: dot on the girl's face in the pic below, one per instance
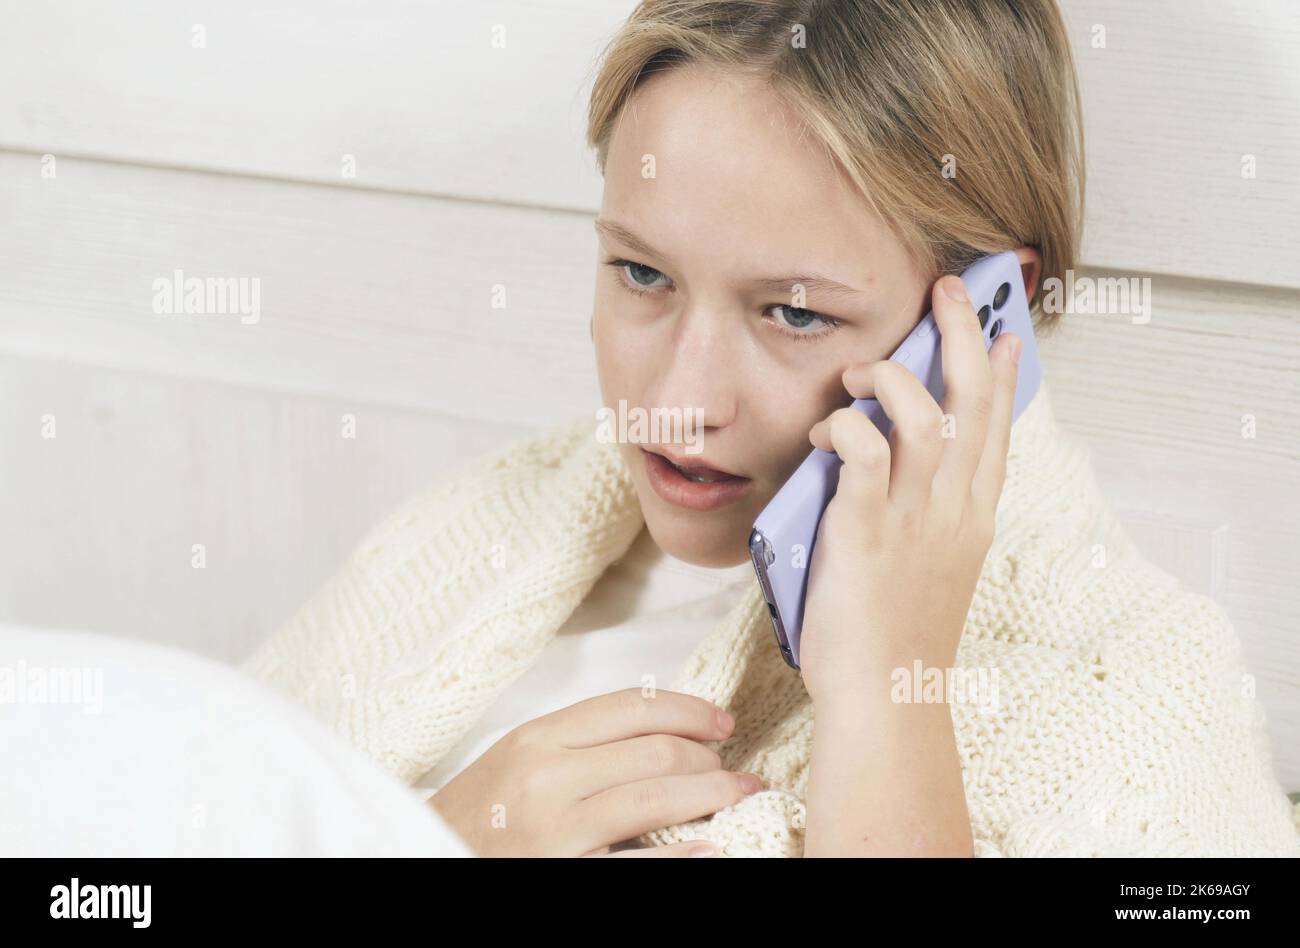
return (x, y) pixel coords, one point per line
(716, 211)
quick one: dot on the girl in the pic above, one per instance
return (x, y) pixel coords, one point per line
(790, 185)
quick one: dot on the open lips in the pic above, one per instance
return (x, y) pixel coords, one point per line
(699, 473)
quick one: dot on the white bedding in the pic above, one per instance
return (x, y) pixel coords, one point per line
(120, 748)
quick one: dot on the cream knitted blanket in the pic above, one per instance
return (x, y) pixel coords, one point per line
(1125, 722)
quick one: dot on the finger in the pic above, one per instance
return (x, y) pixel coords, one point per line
(630, 713)
(638, 758)
(864, 476)
(967, 383)
(628, 810)
(690, 848)
(986, 486)
(916, 440)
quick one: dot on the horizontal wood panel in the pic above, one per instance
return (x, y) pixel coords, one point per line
(417, 93)
(373, 297)
(100, 521)
(1180, 93)
(423, 102)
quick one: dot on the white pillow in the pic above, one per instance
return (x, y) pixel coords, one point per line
(121, 748)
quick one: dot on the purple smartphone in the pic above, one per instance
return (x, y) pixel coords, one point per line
(781, 543)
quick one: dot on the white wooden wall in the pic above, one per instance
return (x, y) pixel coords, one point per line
(228, 159)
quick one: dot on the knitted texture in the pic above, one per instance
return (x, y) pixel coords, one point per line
(1125, 722)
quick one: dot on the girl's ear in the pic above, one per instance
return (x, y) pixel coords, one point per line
(1031, 265)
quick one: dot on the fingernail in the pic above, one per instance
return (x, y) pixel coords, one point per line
(725, 720)
(1016, 345)
(703, 849)
(954, 289)
(751, 783)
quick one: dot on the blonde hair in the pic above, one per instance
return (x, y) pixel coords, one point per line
(895, 91)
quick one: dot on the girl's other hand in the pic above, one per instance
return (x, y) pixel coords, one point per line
(594, 774)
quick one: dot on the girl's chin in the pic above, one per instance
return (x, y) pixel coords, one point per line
(713, 539)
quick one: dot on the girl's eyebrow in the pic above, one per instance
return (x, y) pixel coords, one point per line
(623, 235)
(811, 282)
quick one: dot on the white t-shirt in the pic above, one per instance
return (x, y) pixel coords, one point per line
(636, 628)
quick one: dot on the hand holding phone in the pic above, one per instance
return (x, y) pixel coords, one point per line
(782, 541)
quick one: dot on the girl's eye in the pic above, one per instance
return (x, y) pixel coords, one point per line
(637, 277)
(796, 323)
(803, 323)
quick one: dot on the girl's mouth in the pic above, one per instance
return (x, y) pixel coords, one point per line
(694, 486)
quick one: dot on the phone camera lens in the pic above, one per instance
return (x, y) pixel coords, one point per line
(984, 316)
(995, 329)
(1000, 297)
